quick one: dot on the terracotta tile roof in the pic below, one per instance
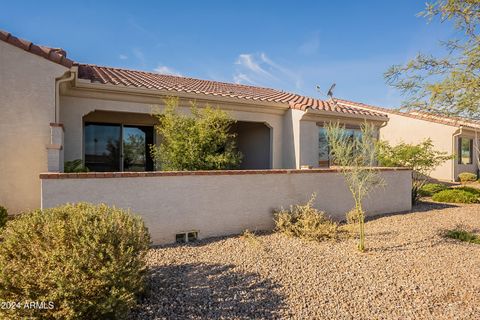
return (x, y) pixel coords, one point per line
(149, 80)
(53, 54)
(441, 119)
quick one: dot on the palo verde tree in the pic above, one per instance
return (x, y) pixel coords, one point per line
(449, 84)
(422, 158)
(356, 157)
(202, 140)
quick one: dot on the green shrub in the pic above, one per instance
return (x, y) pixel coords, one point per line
(469, 189)
(463, 235)
(74, 166)
(305, 222)
(465, 177)
(430, 189)
(89, 260)
(455, 196)
(3, 217)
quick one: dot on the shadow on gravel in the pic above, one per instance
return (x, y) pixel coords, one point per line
(208, 291)
(421, 206)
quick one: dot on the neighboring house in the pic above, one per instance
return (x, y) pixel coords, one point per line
(54, 110)
(455, 136)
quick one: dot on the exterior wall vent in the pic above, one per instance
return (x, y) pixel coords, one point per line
(185, 237)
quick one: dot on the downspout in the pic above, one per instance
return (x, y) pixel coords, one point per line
(59, 81)
(455, 135)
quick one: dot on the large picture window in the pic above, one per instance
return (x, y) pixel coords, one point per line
(323, 147)
(116, 147)
(465, 151)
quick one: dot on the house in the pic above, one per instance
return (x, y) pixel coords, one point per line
(455, 136)
(54, 109)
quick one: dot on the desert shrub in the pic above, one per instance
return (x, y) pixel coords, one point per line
(461, 234)
(455, 196)
(469, 189)
(465, 177)
(430, 189)
(88, 260)
(306, 222)
(3, 217)
(74, 166)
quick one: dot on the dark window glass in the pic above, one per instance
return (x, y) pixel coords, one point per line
(102, 147)
(113, 147)
(465, 151)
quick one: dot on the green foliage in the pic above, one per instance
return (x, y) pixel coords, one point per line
(465, 177)
(463, 235)
(449, 84)
(202, 141)
(3, 217)
(470, 189)
(306, 222)
(430, 189)
(356, 157)
(89, 260)
(422, 158)
(74, 166)
(455, 196)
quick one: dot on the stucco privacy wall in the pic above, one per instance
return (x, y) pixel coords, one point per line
(73, 109)
(223, 202)
(27, 107)
(410, 130)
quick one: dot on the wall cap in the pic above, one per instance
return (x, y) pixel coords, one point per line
(92, 175)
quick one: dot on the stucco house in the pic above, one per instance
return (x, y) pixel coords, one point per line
(53, 109)
(455, 136)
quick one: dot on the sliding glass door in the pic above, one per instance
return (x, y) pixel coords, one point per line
(117, 147)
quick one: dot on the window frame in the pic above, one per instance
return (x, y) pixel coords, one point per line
(460, 153)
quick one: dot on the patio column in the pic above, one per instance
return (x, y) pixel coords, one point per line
(55, 148)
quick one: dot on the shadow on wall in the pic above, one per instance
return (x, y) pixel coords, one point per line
(208, 291)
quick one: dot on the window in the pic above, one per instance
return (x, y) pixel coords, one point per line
(324, 149)
(465, 151)
(116, 147)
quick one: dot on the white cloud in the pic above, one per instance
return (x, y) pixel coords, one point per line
(123, 57)
(259, 69)
(167, 70)
(242, 78)
(248, 61)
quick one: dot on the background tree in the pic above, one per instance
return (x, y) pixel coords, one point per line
(200, 141)
(422, 158)
(449, 84)
(356, 157)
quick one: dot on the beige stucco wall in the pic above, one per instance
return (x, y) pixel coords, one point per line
(74, 108)
(27, 107)
(410, 130)
(224, 204)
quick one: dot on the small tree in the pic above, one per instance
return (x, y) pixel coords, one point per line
(356, 157)
(200, 141)
(422, 158)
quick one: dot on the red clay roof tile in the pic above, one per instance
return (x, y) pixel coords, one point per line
(55, 55)
(150, 80)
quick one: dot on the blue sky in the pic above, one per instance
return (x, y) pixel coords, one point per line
(288, 45)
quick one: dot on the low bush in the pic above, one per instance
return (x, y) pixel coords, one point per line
(463, 235)
(455, 196)
(3, 217)
(87, 260)
(74, 166)
(430, 189)
(469, 189)
(306, 222)
(465, 177)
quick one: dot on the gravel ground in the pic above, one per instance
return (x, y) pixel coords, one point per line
(410, 271)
